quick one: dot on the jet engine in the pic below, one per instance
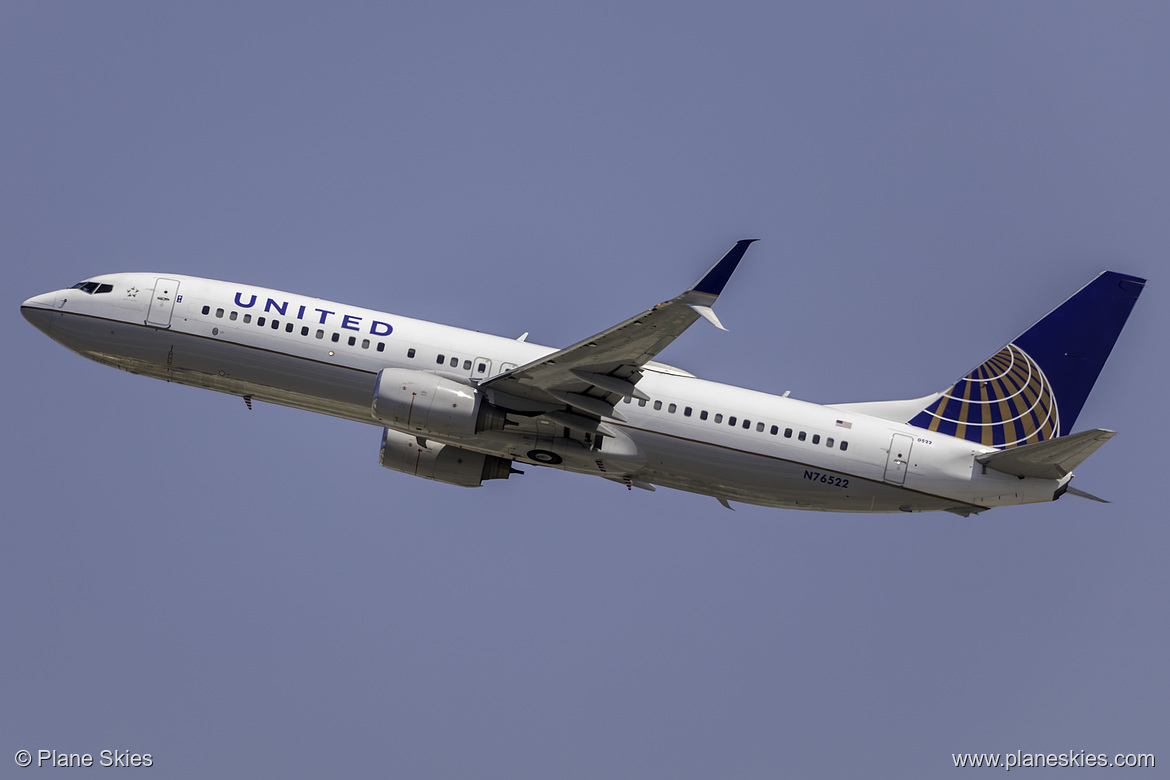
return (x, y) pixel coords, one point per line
(440, 462)
(427, 404)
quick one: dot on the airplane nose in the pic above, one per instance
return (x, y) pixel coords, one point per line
(38, 310)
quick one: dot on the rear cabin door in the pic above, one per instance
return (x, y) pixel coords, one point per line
(898, 460)
(162, 303)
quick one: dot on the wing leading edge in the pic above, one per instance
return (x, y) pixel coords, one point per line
(593, 375)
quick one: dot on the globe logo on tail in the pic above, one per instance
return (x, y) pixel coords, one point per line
(1004, 402)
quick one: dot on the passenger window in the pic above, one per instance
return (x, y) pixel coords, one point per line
(731, 420)
(829, 442)
(381, 346)
(441, 359)
(207, 310)
(816, 438)
(775, 429)
(352, 340)
(289, 327)
(247, 318)
(627, 400)
(276, 324)
(260, 322)
(336, 337)
(718, 418)
(844, 446)
(641, 402)
(703, 415)
(365, 343)
(671, 408)
(801, 436)
(687, 412)
(759, 427)
(787, 433)
(657, 405)
(466, 365)
(219, 313)
(410, 352)
(747, 424)
(454, 362)
(233, 316)
(320, 334)
(304, 330)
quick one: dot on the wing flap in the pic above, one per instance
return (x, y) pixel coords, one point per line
(1051, 459)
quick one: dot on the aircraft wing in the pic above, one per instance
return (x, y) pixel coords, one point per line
(593, 375)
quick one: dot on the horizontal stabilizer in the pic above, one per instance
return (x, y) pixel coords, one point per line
(965, 511)
(1051, 459)
(1072, 491)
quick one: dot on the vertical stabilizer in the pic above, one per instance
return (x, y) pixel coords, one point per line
(1034, 388)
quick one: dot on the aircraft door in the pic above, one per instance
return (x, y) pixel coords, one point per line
(481, 369)
(898, 462)
(162, 303)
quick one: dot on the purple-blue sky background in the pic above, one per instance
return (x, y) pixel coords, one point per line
(250, 594)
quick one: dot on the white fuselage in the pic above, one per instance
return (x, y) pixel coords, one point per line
(729, 442)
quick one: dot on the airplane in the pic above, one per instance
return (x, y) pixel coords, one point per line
(464, 407)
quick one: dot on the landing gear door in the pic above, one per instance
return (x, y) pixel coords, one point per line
(898, 461)
(162, 303)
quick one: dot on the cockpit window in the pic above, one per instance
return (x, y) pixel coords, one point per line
(92, 288)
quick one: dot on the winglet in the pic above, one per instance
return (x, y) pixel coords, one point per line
(713, 282)
(706, 313)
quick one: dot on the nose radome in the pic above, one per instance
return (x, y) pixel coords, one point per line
(43, 301)
(38, 310)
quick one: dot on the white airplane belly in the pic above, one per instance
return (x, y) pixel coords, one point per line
(736, 474)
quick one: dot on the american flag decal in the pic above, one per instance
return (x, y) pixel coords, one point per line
(843, 424)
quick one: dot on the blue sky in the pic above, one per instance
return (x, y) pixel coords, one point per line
(249, 593)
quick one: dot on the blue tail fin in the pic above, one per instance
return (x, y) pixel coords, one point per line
(1034, 388)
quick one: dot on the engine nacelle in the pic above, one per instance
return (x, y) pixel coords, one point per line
(440, 462)
(427, 404)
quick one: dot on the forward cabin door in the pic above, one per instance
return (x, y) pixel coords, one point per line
(898, 461)
(162, 303)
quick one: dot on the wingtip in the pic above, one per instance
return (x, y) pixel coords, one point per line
(713, 282)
